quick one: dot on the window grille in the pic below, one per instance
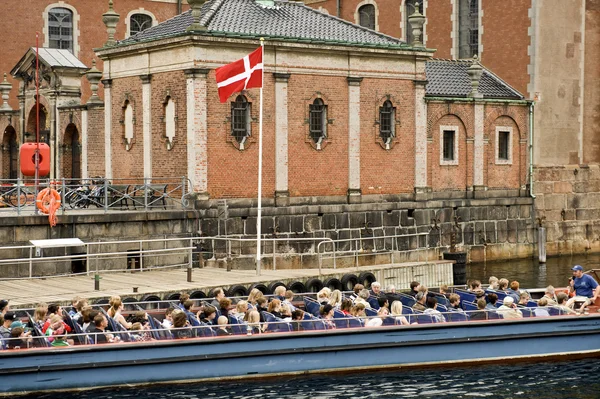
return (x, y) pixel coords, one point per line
(317, 121)
(366, 16)
(240, 119)
(60, 28)
(139, 23)
(386, 122)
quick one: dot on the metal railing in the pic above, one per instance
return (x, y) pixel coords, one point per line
(141, 194)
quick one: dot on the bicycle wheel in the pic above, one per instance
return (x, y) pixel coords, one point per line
(17, 199)
(76, 200)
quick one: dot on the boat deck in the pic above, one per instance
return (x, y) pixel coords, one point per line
(28, 292)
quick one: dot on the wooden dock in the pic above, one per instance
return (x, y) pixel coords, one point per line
(27, 292)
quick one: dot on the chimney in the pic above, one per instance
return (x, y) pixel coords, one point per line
(475, 71)
(417, 20)
(5, 89)
(110, 19)
(196, 6)
(93, 75)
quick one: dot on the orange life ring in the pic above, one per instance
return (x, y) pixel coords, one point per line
(45, 201)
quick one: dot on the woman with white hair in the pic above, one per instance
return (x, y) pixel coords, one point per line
(509, 310)
(362, 298)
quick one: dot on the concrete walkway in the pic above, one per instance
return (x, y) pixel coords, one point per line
(25, 293)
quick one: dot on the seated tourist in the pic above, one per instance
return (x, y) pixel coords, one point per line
(540, 310)
(98, 331)
(479, 294)
(375, 289)
(326, 313)
(524, 299)
(502, 284)
(444, 290)
(116, 311)
(383, 302)
(59, 337)
(323, 296)
(181, 326)
(480, 313)
(4, 307)
(279, 293)
(514, 291)
(8, 318)
(275, 308)
(550, 296)
(382, 313)
(183, 298)
(414, 288)
(78, 309)
(289, 299)
(562, 300)
(421, 298)
(346, 306)
(286, 312)
(168, 320)
(396, 312)
(253, 321)
(362, 298)
(586, 289)
(261, 306)
(358, 310)
(357, 289)
(188, 304)
(253, 296)
(474, 285)
(335, 299)
(54, 309)
(241, 308)
(509, 310)
(207, 315)
(391, 295)
(223, 329)
(433, 312)
(454, 300)
(19, 339)
(219, 294)
(493, 283)
(87, 318)
(224, 305)
(297, 317)
(56, 322)
(491, 301)
(74, 303)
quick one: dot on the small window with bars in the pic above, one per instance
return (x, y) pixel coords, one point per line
(240, 120)
(503, 145)
(318, 122)
(366, 16)
(139, 23)
(60, 28)
(449, 146)
(387, 123)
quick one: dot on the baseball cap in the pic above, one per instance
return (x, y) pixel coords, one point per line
(577, 268)
(9, 316)
(16, 324)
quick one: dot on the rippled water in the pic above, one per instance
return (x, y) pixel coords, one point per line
(540, 381)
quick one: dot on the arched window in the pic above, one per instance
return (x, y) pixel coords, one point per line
(170, 122)
(409, 9)
(318, 121)
(387, 123)
(139, 23)
(240, 120)
(468, 28)
(128, 119)
(366, 16)
(60, 28)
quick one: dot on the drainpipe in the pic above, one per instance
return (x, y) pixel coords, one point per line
(179, 7)
(531, 150)
(338, 8)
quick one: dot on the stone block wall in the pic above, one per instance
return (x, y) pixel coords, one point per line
(568, 205)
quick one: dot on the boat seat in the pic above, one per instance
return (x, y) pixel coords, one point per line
(237, 327)
(457, 316)
(275, 323)
(424, 318)
(370, 312)
(468, 306)
(355, 322)
(466, 296)
(554, 311)
(340, 319)
(312, 306)
(374, 302)
(407, 310)
(407, 300)
(494, 316)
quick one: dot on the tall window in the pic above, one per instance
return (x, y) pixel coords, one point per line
(503, 145)
(170, 122)
(139, 23)
(468, 28)
(240, 120)
(504, 136)
(366, 16)
(60, 28)
(386, 123)
(318, 121)
(409, 9)
(128, 120)
(448, 146)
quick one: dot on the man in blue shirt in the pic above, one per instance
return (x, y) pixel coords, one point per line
(585, 287)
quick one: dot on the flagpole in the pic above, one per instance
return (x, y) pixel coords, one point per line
(260, 150)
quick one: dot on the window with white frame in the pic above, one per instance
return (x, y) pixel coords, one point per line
(129, 122)
(449, 145)
(317, 121)
(60, 28)
(468, 28)
(170, 122)
(387, 123)
(366, 16)
(504, 145)
(139, 23)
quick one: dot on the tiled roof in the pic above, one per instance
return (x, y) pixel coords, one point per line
(285, 20)
(449, 78)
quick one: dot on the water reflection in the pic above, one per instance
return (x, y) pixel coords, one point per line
(530, 273)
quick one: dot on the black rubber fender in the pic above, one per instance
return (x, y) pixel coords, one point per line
(349, 281)
(238, 291)
(276, 284)
(261, 287)
(198, 295)
(173, 297)
(314, 285)
(366, 279)
(297, 287)
(333, 283)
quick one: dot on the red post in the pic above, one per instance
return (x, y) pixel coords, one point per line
(37, 115)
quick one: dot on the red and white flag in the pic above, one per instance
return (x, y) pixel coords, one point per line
(240, 75)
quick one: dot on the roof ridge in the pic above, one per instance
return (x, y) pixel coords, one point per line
(301, 4)
(210, 13)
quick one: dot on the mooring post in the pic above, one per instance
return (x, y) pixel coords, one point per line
(191, 262)
(542, 244)
(97, 282)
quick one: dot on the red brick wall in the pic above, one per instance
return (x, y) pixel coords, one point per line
(127, 163)
(22, 19)
(167, 163)
(96, 142)
(451, 177)
(68, 118)
(439, 27)
(387, 171)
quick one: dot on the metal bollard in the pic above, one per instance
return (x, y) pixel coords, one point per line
(97, 282)
(189, 274)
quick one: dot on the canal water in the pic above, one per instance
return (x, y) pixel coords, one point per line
(528, 380)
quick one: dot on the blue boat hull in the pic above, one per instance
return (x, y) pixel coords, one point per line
(289, 353)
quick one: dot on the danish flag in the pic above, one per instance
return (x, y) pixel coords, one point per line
(240, 75)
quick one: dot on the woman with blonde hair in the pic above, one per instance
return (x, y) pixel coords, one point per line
(323, 296)
(396, 312)
(41, 314)
(254, 322)
(253, 296)
(116, 309)
(335, 299)
(275, 308)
